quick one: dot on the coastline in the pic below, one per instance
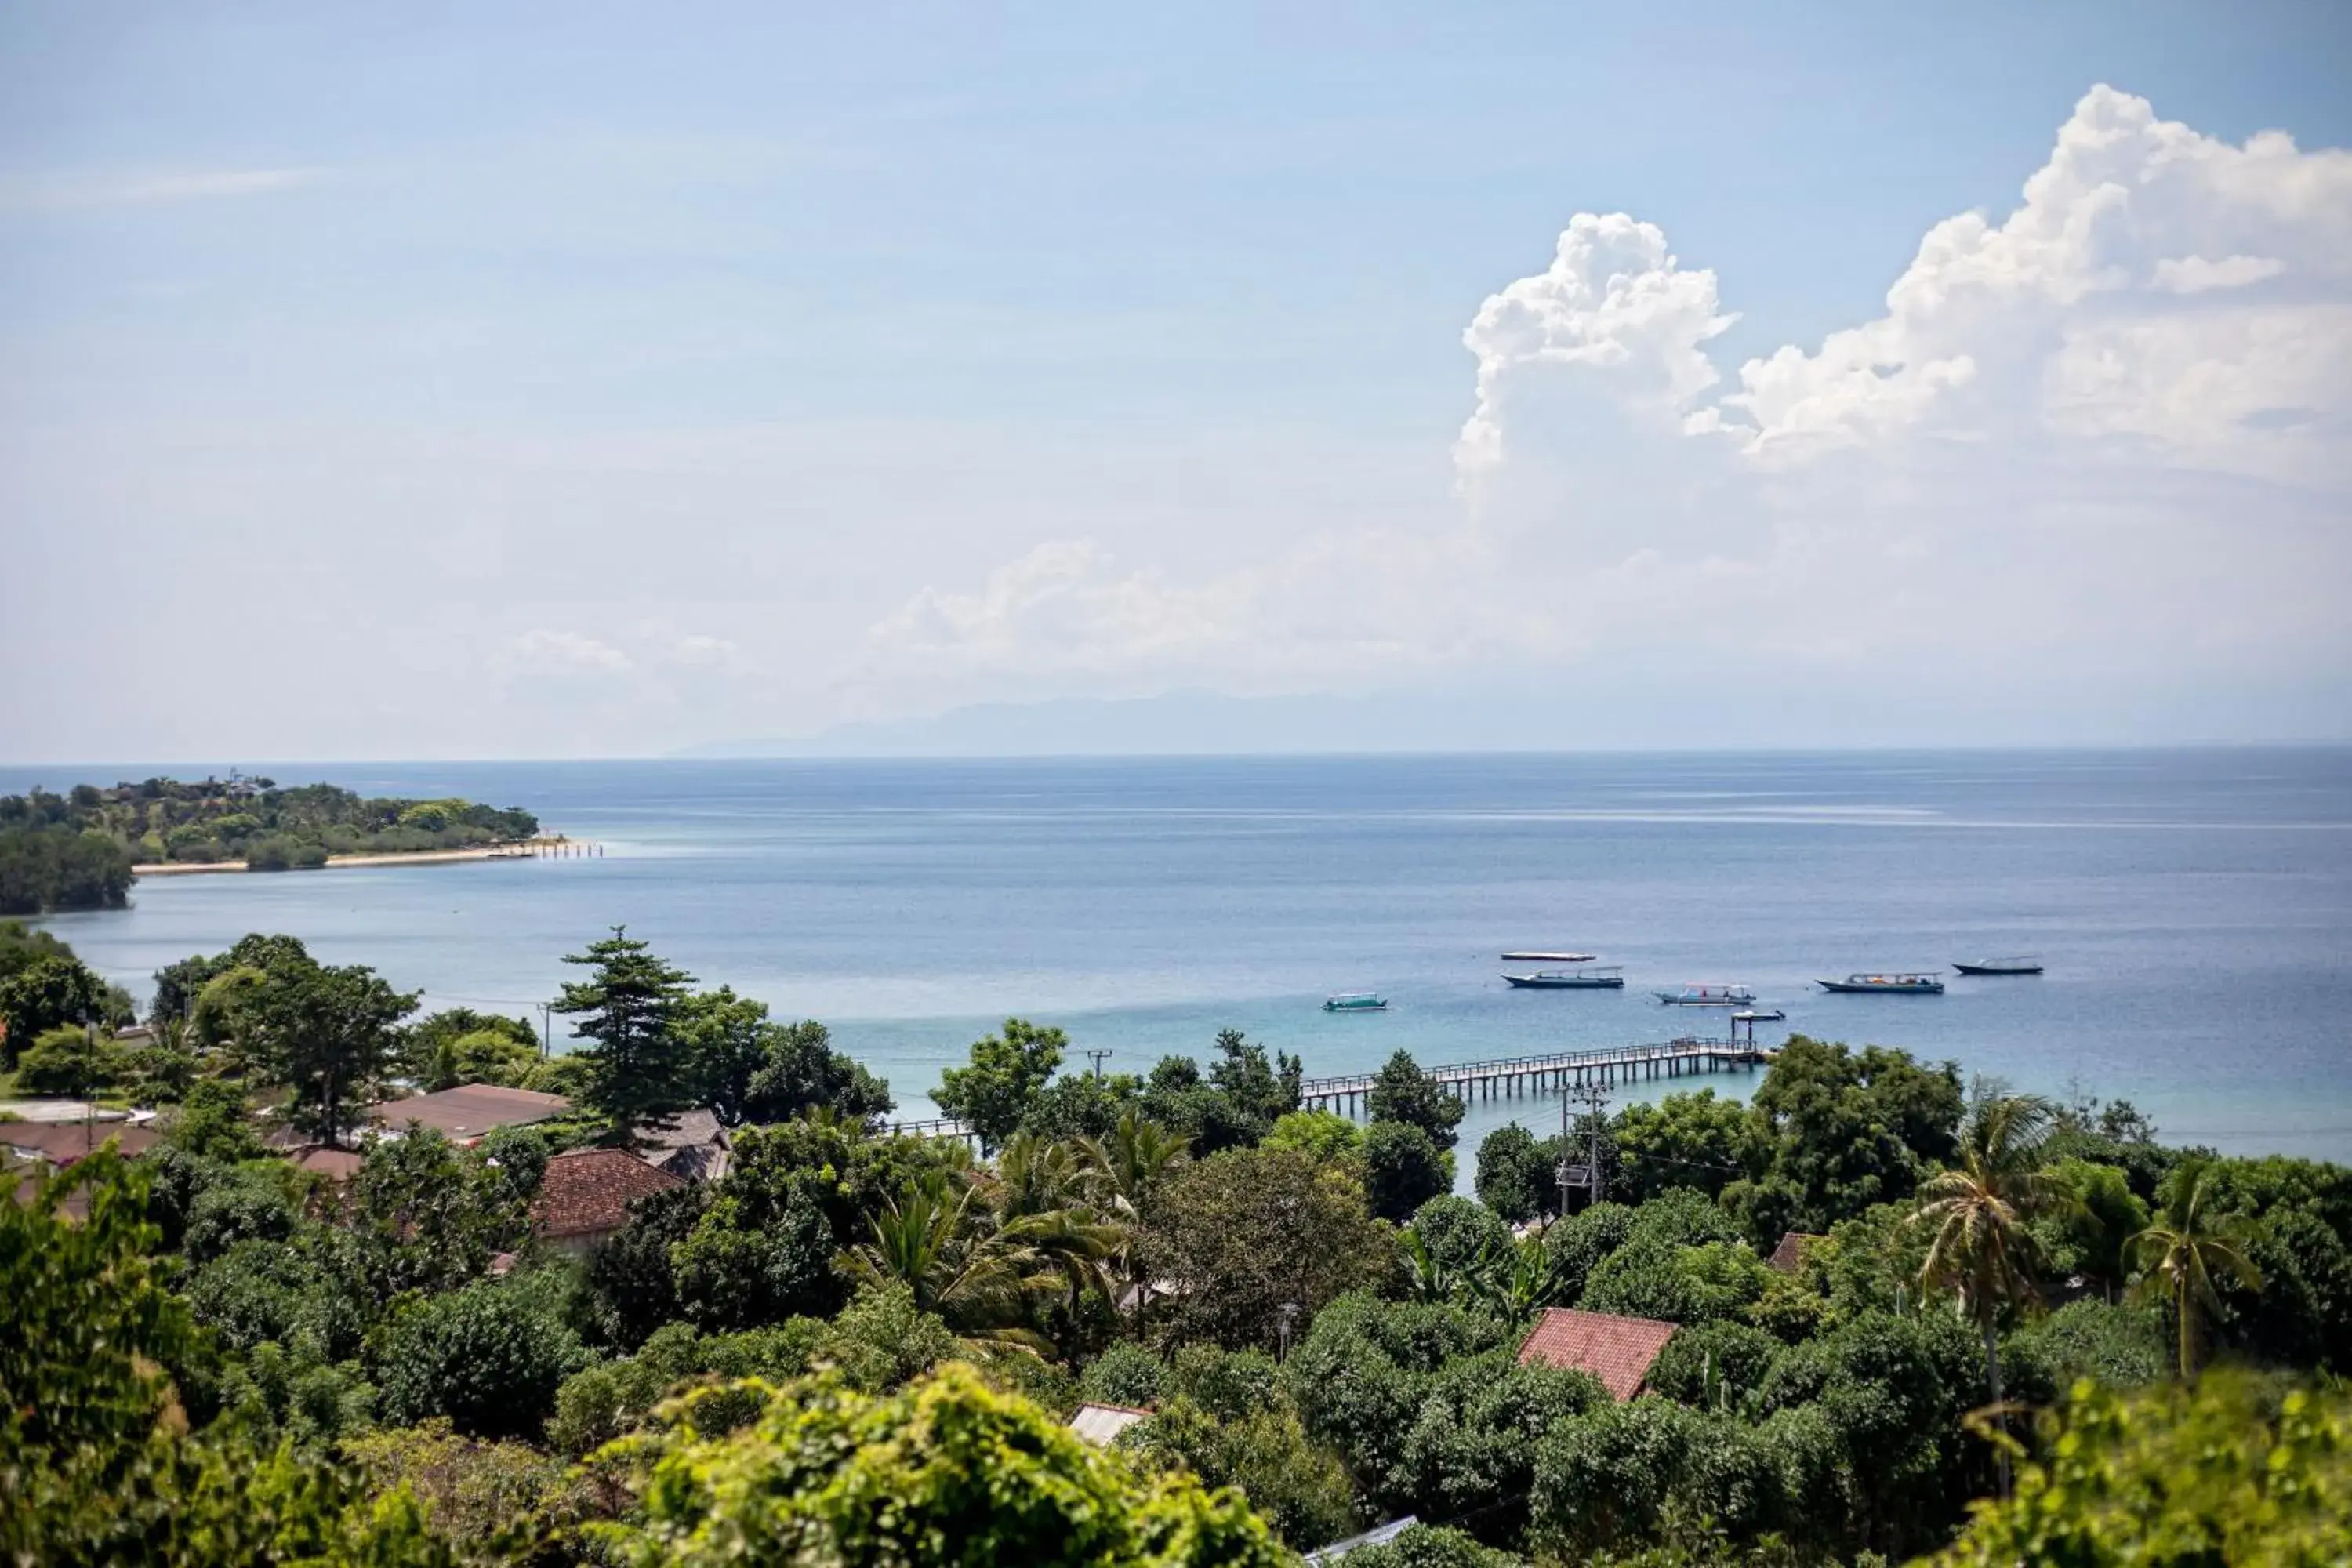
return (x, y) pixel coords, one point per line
(531, 849)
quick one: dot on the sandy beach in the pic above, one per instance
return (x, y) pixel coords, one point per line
(532, 850)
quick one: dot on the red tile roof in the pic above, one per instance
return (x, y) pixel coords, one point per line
(63, 1142)
(588, 1192)
(1617, 1351)
(466, 1112)
(1790, 1256)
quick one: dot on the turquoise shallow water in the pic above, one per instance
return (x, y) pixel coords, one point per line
(2194, 907)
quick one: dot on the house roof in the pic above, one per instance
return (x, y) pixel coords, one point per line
(1790, 1256)
(1618, 1351)
(335, 1164)
(1101, 1424)
(587, 1192)
(688, 1128)
(469, 1109)
(63, 1142)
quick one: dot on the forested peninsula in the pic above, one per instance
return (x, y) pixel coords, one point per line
(77, 850)
(683, 1296)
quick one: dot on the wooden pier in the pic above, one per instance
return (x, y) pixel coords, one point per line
(1559, 1070)
(1503, 1077)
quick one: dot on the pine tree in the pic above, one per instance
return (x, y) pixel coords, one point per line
(640, 1072)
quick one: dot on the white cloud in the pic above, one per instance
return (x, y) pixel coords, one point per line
(89, 190)
(2195, 275)
(2074, 445)
(1614, 307)
(547, 649)
(2069, 316)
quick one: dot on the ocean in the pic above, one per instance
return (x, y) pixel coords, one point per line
(2193, 907)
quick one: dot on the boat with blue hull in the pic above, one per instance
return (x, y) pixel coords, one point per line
(1895, 985)
(1708, 996)
(1608, 977)
(2000, 966)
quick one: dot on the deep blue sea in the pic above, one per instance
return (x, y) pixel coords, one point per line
(2194, 907)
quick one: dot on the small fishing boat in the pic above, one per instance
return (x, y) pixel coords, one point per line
(1750, 1015)
(2000, 966)
(1356, 1001)
(1608, 977)
(1548, 957)
(1891, 984)
(1708, 996)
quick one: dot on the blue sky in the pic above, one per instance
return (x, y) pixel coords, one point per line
(572, 383)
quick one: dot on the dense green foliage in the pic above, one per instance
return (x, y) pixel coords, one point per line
(858, 1347)
(2236, 1471)
(75, 851)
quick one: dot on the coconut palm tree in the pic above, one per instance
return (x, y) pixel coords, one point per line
(1123, 1172)
(1979, 1245)
(970, 1274)
(2185, 1249)
(1126, 1168)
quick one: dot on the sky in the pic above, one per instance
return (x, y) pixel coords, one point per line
(461, 381)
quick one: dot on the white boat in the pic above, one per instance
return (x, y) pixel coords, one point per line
(1708, 996)
(1524, 957)
(1608, 977)
(1356, 1001)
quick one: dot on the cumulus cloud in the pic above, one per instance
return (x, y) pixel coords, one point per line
(1615, 306)
(2073, 316)
(2107, 430)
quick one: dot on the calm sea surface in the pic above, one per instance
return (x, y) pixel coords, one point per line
(2194, 907)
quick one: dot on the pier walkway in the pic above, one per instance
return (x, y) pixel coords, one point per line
(1504, 1075)
(1557, 1070)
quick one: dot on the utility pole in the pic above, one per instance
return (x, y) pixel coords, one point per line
(1096, 1055)
(1595, 1099)
(546, 1031)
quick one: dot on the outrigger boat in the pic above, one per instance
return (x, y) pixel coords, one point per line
(1356, 1001)
(1707, 997)
(1893, 984)
(2000, 966)
(1548, 957)
(1609, 977)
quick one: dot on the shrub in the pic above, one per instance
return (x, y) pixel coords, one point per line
(1457, 1231)
(1125, 1374)
(486, 1357)
(830, 1475)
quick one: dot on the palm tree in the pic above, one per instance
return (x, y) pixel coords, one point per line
(1981, 1247)
(2187, 1246)
(978, 1280)
(1122, 1173)
(1124, 1168)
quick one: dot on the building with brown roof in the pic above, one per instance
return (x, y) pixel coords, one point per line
(60, 1143)
(694, 1145)
(1618, 1351)
(585, 1195)
(468, 1112)
(1790, 1256)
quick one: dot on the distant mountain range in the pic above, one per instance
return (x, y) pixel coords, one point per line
(1176, 723)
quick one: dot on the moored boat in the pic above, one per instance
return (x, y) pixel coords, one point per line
(1356, 1001)
(1708, 996)
(1608, 977)
(1524, 957)
(1902, 984)
(2000, 966)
